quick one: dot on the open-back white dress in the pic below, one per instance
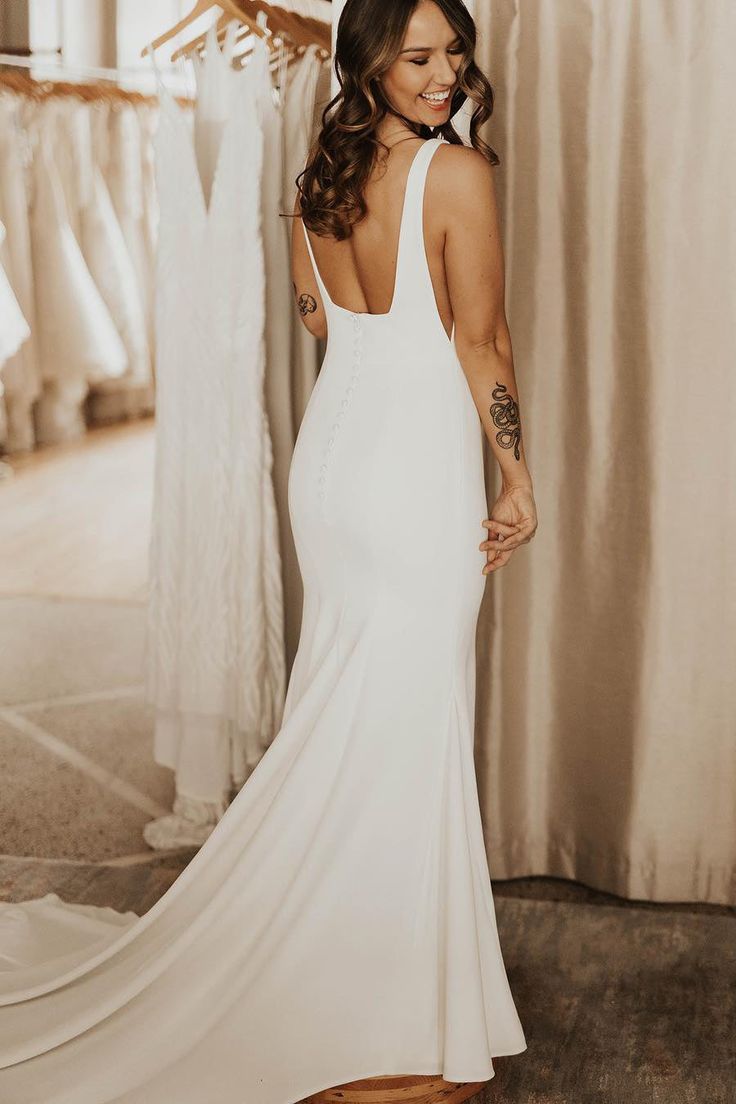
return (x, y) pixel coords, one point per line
(339, 921)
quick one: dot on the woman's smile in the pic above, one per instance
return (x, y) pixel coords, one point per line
(437, 101)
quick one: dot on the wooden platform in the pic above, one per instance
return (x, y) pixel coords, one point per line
(413, 1089)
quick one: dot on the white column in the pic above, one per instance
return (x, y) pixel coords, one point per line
(79, 32)
(88, 31)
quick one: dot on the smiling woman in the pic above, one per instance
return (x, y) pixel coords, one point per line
(396, 91)
(397, 82)
(391, 252)
(411, 63)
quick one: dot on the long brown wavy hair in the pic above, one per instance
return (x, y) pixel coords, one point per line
(370, 36)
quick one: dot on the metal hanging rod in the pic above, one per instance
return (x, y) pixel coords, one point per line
(60, 66)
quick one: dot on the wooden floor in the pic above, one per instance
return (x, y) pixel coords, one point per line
(75, 518)
(412, 1089)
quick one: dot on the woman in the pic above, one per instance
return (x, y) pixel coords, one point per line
(338, 923)
(396, 86)
(395, 243)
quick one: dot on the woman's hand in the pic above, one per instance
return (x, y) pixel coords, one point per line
(513, 522)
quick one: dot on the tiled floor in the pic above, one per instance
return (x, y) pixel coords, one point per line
(75, 736)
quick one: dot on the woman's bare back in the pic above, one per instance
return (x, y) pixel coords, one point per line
(360, 272)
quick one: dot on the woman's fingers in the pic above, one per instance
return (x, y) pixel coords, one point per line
(500, 533)
(499, 526)
(522, 534)
(499, 561)
(503, 544)
(503, 538)
(498, 544)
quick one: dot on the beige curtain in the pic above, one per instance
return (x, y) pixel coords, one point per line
(606, 734)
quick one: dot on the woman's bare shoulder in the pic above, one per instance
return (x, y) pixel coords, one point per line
(461, 174)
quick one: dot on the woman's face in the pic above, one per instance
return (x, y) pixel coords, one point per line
(421, 81)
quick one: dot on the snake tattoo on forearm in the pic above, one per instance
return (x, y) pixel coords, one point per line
(505, 415)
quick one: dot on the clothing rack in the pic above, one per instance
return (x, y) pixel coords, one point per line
(39, 62)
(258, 17)
(58, 78)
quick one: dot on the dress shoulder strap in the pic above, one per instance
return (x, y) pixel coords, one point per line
(413, 275)
(156, 71)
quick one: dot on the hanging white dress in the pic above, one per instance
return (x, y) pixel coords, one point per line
(73, 156)
(274, 385)
(14, 328)
(125, 176)
(304, 377)
(102, 242)
(215, 668)
(148, 121)
(289, 392)
(77, 339)
(125, 181)
(112, 270)
(308, 75)
(195, 744)
(109, 260)
(339, 922)
(298, 111)
(21, 377)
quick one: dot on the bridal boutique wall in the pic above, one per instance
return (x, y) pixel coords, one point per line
(605, 746)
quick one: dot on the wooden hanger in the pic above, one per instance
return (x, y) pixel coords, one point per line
(301, 29)
(316, 31)
(293, 52)
(295, 32)
(229, 7)
(282, 50)
(250, 26)
(47, 88)
(281, 21)
(294, 29)
(290, 33)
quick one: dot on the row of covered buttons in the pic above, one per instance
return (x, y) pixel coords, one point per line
(357, 357)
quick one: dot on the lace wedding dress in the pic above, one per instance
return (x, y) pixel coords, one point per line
(215, 666)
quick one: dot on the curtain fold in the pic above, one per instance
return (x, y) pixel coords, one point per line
(606, 743)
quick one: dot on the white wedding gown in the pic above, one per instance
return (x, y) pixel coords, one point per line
(78, 342)
(339, 921)
(215, 668)
(14, 328)
(287, 393)
(20, 377)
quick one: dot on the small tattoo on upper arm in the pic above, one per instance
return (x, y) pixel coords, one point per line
(505, 415)
(307, 303)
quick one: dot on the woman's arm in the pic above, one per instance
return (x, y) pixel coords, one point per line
(474, 267)
(306, 292)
